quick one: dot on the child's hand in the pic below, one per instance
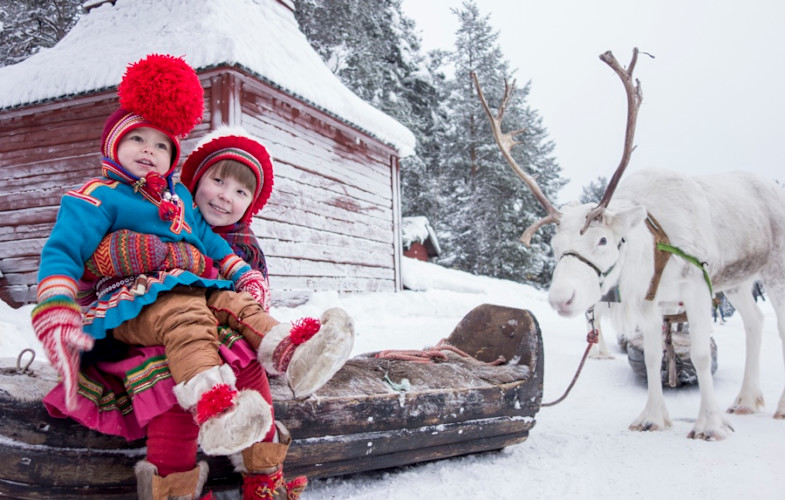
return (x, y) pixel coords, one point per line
(254, 283)
(58, 325)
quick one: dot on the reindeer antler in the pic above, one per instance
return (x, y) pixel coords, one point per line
(506, 141)
(634, 98)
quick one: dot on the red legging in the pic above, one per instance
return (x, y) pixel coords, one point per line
(172, 436)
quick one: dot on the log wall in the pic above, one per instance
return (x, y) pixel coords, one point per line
(332, 222)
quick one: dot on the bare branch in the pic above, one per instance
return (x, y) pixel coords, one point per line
(634, 98)
(506, 141)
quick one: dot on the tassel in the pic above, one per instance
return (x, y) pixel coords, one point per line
(262, 486)
(303, 329)
(155, 182)
(214, 402)
(169, 208)
(295, 487)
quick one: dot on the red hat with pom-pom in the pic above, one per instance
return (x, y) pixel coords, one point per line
(159, 91)
(231, 143)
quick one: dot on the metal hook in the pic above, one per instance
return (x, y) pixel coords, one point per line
(19, 368)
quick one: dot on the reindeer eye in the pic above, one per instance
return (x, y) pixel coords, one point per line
(603, 241)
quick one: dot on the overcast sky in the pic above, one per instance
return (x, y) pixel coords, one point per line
(712, 96)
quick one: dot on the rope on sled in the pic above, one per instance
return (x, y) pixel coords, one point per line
(433, 354)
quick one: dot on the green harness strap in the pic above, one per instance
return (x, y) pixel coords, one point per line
(689, 258)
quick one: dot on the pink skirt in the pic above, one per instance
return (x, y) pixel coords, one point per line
(121, 397)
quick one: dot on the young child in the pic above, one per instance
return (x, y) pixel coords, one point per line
(231, 176)
(174, 308)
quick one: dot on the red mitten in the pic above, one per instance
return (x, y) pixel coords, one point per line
(57, 322)
(257, 285)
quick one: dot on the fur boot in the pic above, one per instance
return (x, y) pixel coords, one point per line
(261, 465)
(175, 486)
(229, 420)
(307, 352)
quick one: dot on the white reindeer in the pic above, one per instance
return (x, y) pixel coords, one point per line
(732, 224)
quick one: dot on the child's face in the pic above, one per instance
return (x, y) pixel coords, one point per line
(222, 200)
(144, 150)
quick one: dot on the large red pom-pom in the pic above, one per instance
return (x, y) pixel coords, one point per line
(214, 402)
(303, 329)
(164, 90)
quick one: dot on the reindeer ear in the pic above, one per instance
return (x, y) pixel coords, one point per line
(624, 220)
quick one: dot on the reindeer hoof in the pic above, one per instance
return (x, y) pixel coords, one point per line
(779, 415)
(706, 436)
(712, 434)
(740, 410)
(644, 427)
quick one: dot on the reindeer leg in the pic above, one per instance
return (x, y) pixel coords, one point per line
(711, 424)
(750, 398)
(600, 349)
(654, 416)
(776, 294)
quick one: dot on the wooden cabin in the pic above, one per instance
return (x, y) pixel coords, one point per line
(333, 220)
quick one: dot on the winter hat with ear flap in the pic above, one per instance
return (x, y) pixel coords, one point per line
(232, 143)
(159, 91)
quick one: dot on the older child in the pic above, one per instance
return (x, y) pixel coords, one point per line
(230, 176)
(172, 308)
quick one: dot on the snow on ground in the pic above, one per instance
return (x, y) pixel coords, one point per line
(580, 448)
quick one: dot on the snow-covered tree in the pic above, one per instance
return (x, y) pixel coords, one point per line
(484, 206)
(372, 47)
(457, 178)
(592, 192)
(26, 27)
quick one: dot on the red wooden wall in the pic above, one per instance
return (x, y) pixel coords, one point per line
(332, 222)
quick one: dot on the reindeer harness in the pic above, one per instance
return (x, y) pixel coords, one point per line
(662, 253)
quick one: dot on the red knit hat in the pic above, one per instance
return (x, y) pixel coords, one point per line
(162, 92)
(236, 144)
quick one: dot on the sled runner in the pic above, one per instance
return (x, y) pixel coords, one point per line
(377, 412)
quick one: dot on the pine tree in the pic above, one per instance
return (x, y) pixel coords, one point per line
(371, 46)
(592, 193)
(26, 27)
(484, 207)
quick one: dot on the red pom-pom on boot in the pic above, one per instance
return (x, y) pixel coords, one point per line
(309, 352)
(229, 420)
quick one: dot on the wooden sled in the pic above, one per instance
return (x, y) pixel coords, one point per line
(677, 369)
(374, 414)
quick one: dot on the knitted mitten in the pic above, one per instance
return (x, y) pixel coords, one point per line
(255, 283)
(127, 253)
(229, 420)
(57, 322)
(308, 352)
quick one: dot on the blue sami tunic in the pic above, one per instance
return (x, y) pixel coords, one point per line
(110, 203)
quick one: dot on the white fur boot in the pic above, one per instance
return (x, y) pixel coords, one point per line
(229, 420)
(308, 354)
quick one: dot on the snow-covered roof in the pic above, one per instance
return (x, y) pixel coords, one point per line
(260, 36)
(418, 229)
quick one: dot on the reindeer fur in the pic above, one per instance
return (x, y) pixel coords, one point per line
(735, 222)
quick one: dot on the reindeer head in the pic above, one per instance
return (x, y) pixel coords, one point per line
(588, 241)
